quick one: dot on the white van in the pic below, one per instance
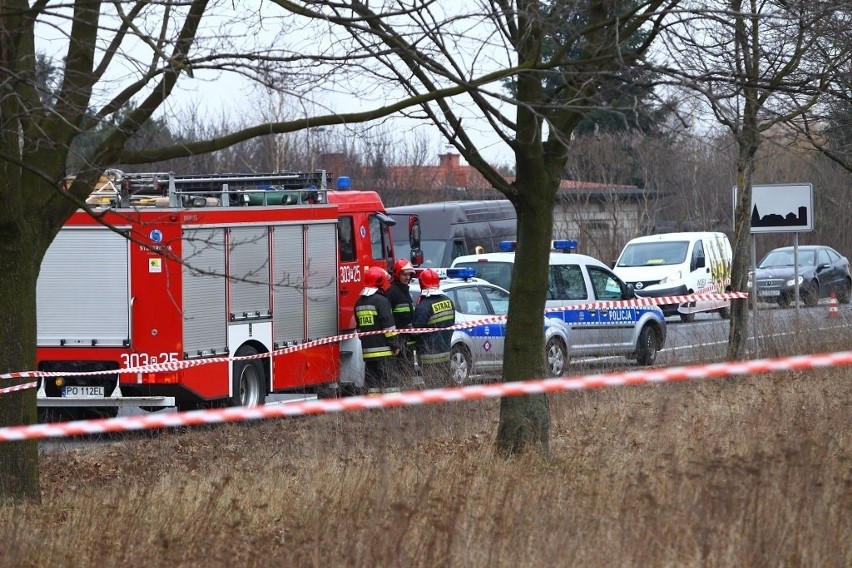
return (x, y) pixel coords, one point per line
(676, 264)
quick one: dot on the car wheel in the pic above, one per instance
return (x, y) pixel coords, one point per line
(810, 295)
(784, 301)
(557, 357)
(460, 364)
(646, 349)
(845, 293)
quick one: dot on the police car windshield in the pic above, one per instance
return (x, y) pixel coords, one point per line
(433, 252)
(654, 254)
(498, 273)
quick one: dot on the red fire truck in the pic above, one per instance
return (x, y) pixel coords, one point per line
(183, 269)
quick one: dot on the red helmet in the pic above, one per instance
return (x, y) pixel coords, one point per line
(377, 277)
(429, 279)
(401, 266)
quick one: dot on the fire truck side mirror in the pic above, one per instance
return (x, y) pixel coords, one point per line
(414, 231)
(416, 255)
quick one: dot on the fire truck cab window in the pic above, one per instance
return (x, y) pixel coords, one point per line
(379, 239)
(346, 239)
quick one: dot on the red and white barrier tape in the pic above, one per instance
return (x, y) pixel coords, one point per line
(187, 363)
(413, 398)
(16, 388)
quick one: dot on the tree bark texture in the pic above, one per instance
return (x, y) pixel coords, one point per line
(19, 476)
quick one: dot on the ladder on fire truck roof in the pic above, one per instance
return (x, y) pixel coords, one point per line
(277, 188)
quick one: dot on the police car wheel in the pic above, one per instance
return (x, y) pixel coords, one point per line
(248, 380)
(460, 364)
(646, 350)
(557, 357)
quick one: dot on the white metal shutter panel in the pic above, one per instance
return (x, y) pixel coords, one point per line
(204, 318)
(288, 284)
(83, 292)
(248, 267)
(321, 279)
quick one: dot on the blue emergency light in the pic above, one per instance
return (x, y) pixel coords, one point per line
(463, 273)
(508, 246)
(344, 183)
(564, 245)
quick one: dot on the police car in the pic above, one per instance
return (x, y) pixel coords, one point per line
(479, 349)
(636, 332)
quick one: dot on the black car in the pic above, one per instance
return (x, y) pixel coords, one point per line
(821, 271)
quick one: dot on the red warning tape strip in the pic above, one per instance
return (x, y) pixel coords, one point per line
(413, 398)
(15, 388)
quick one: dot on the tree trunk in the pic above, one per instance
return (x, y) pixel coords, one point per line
(19, 261)
(738, 338)
(525, 421)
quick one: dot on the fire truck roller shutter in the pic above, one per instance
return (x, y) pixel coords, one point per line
(288, 284)
(204, 308)
(83, 290)
(248, 266)
(321, 279)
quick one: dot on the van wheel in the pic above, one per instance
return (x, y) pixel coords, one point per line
(460, 364)
(687, 318)
(557, 357)
(646, 349)
(248, 380)
(725, 313)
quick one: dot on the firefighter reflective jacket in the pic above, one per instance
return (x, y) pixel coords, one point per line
(373, 313)
(434, 311)
(403, 308)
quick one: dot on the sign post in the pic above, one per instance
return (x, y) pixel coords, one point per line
(779, 208)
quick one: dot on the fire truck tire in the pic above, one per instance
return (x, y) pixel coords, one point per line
(248, 380)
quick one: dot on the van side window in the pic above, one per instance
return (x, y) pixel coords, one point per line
(458, 249)
(698, 259)
(565, 282)
(346, 239)
(606, 286)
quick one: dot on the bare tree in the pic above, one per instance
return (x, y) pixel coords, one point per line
(749, 61)
(557, 54)
(118, 65)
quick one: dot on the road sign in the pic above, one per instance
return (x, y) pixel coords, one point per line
(777, 208)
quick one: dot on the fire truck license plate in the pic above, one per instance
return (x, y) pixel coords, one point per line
(83, 392)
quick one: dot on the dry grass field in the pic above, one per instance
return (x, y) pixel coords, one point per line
(753, 471)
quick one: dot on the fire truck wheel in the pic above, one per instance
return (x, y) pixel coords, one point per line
(248, 380)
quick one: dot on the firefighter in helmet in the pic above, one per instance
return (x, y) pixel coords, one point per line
(373, 313)
(434, 310)
(403, 311)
